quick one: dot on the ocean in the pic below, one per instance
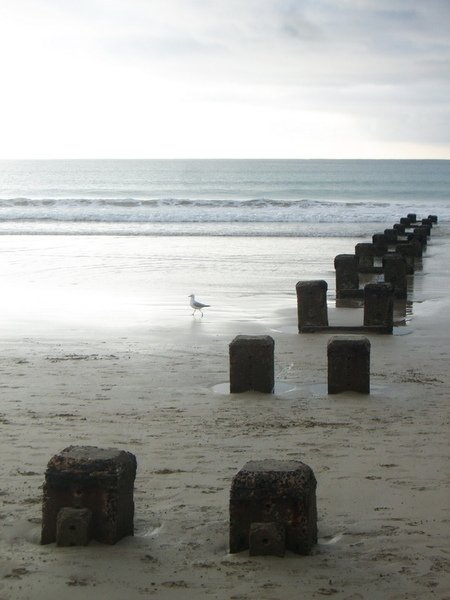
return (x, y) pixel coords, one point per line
(308, 198)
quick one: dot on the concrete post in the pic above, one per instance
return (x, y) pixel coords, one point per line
(346, 266)
(365, 253)
(399, 228)
(380, 244)
(405, 221)
(433, 218)
(394, 267)
(391, 236)
(252, 364)
(274, 491)
(379, 305)
(348, 364)
(100, 480)
(408, 251)
(312, 303)
(412, 217)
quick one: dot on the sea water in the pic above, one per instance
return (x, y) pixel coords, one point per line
(218, 197)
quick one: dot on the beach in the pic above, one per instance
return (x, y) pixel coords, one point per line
(99, 347)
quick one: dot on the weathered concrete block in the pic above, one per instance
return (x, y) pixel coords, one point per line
(380, 244)
(99, 479)
(409, 252)
(379, 305)
(433, 218)
(394, 267)
(348, 364)
(427, 223)
(412, 217)
(252, 364)
(405, 221)
(347, 278)
(399, 228)
(391, 236)
(73, 526)
(365, 253)
(274, 491)
(421, 234)
(312, 303)
(267, 539)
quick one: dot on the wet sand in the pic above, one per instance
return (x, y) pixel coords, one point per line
(99, 347)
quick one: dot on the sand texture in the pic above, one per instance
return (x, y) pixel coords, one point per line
(154, 389)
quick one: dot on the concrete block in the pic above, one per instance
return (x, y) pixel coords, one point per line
(267, 539)
(101, 480)
(73, 526)
(312, 303)
(252, 364)
(274, 491)
(348, 364)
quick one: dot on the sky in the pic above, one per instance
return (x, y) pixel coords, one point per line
(224, 79)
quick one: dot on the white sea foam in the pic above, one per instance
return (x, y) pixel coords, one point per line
(211, 197)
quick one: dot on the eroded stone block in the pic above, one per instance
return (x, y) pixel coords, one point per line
(394, 268)
(274, 491)
(252, 364)
(73, 526)
(379, 305)
(101, 480)
(347, 277)
(348, 364)
(267, 539)
(312, 303)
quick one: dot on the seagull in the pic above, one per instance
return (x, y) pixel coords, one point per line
(196, 305)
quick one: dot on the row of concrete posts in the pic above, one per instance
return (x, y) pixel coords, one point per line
(88, 495)
(88, 491)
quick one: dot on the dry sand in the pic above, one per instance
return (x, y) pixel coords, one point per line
(381, 460)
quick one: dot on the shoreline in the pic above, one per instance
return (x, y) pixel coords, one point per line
(380, 460)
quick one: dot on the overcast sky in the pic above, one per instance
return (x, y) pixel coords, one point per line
(225, 78)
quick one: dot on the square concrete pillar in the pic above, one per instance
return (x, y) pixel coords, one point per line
(252, 364)
(100, 480)
(408, 251)
(391, 236)
(433, 218)
(73, 526)
(347, 278)
(380, 244)
(348, 364)
(365, 253)
(412, 217)
(379, 305)
(394, 268)
(274, 491)
(312, 303)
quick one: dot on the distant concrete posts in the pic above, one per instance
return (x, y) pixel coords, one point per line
(412, 217)
(87, 477)
(427, 223)
(394, 266)
(347, 279)
(380, 244)
(252, 364)
(365, 253)
(272, 501)
(405, 221)
(312, 303)
(433, 218)
(379, 306)
(348, 364)
(73, 526)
